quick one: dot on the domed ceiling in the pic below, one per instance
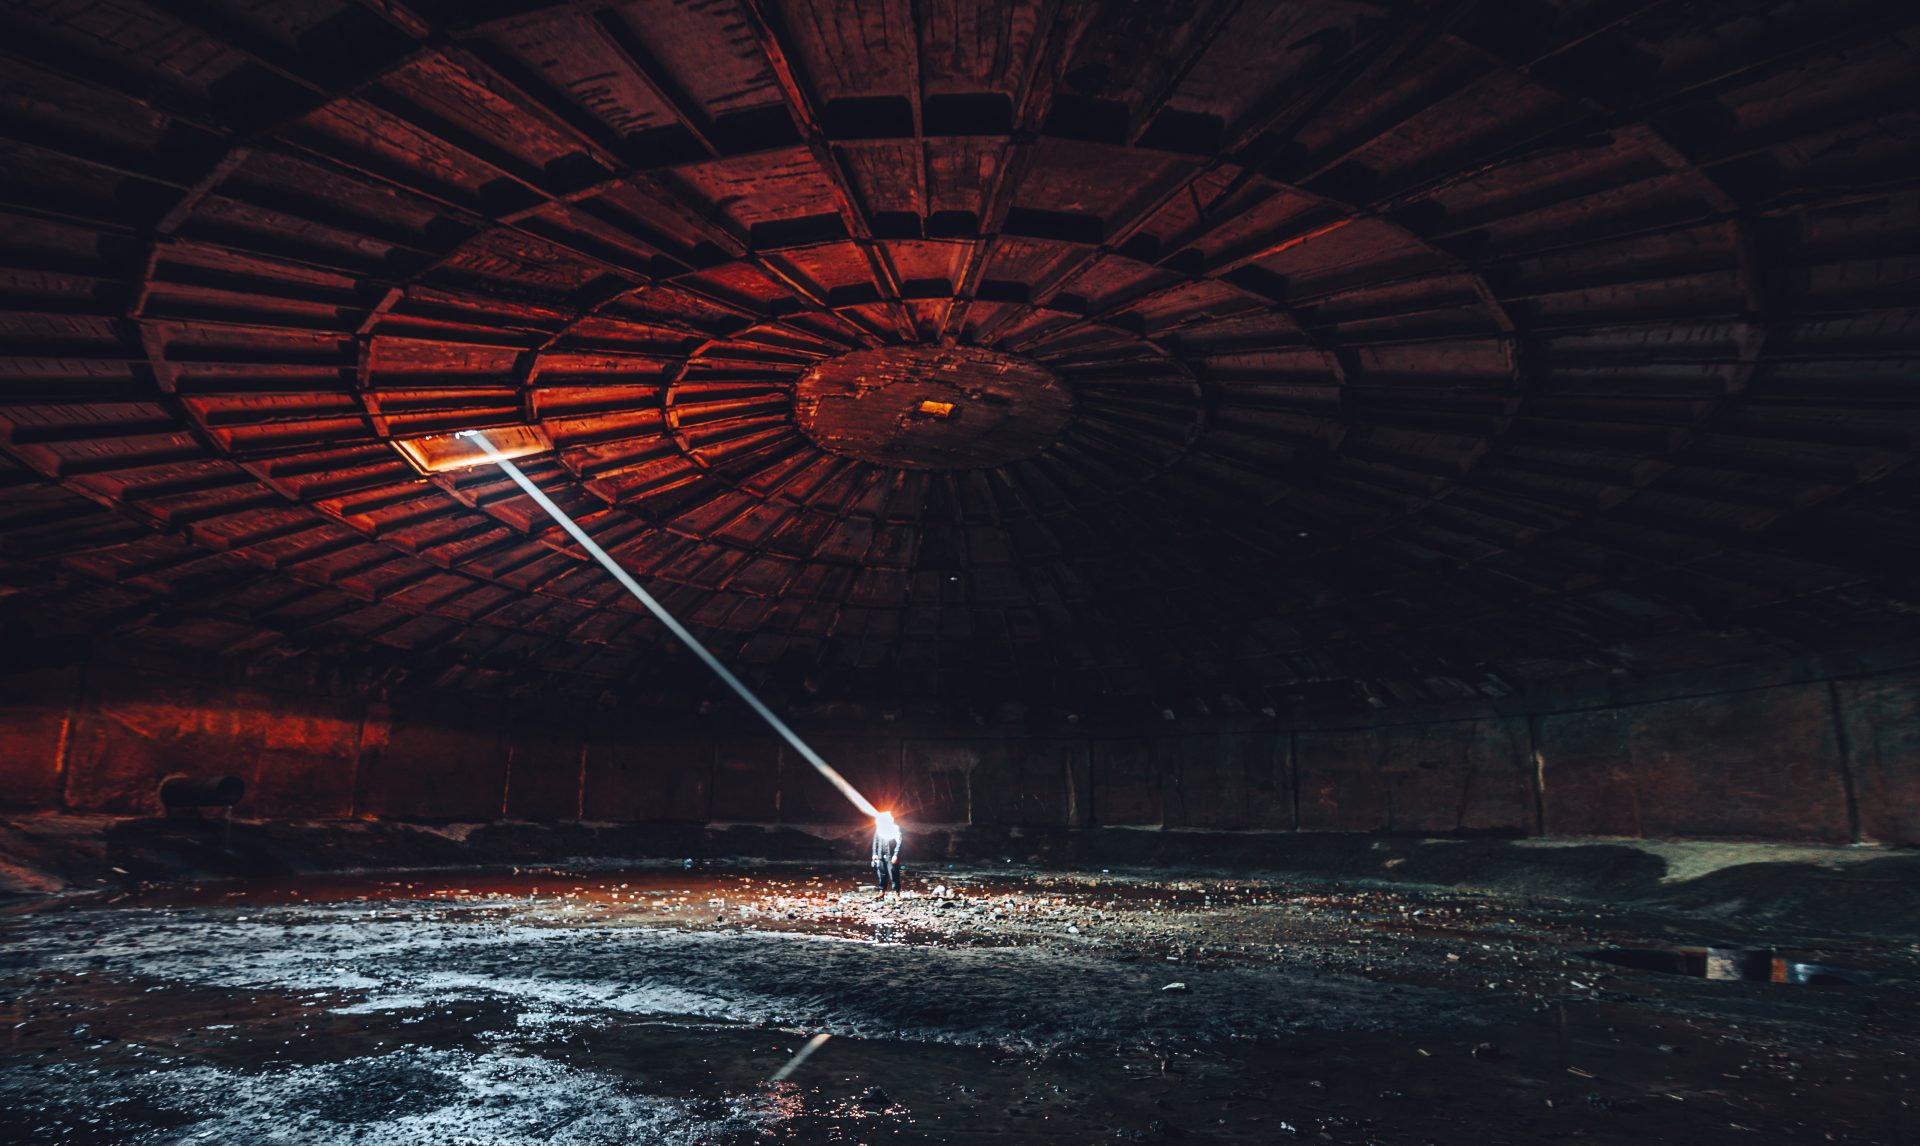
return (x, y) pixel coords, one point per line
(1214, 353)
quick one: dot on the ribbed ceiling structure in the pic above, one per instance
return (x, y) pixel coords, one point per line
(1397, 351)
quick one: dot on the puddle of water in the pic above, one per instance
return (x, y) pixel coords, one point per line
(1752, 964)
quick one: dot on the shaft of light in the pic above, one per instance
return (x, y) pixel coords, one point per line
(813, 1044)
(675, 627)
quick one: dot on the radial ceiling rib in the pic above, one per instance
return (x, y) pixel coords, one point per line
(1441, 362)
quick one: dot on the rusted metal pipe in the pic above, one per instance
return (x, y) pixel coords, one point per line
(202, 791)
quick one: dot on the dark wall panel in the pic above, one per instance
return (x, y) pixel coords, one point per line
(1764, 763)
(649, 779)
(1590, 788)
(309, 756)
(1232, 780)
(35, 714)
(938, 775)
(544, 776)
(1462, 776)
(414, 767)
(1126, 783)
(746, 781)
(1457, 776)
(1882, 726)
(1025, 783)
(1079, 762)
(1470, 776)
(1336, 794)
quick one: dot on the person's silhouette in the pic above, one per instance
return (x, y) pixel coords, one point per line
(886, 852)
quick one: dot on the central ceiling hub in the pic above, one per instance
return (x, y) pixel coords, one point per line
(931, 407)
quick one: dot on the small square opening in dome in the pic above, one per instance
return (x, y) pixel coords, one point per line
(438, 453)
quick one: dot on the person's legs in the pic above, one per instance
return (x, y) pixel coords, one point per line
(891, 858)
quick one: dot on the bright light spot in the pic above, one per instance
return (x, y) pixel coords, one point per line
(933, 409)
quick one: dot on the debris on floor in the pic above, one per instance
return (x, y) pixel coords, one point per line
(657, 1005)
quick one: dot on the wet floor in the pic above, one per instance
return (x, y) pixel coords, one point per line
(989, 1006)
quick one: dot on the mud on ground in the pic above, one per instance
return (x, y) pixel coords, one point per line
(992, 1004)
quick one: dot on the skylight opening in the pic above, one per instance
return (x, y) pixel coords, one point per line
(440, 453)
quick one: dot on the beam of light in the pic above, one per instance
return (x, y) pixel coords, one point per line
(675, 627)
(813, 1044)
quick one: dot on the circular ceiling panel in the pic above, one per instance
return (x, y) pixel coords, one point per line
(1299, 351)
(930, 407)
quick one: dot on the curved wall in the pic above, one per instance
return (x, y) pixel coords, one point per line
(1807, 752)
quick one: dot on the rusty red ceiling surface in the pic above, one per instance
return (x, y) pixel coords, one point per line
(1408, 351)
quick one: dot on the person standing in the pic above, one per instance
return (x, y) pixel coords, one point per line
(886, 853)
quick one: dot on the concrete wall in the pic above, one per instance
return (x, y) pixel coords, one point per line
(1828, 760)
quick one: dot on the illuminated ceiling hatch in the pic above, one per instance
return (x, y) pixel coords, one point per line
(438, 453)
